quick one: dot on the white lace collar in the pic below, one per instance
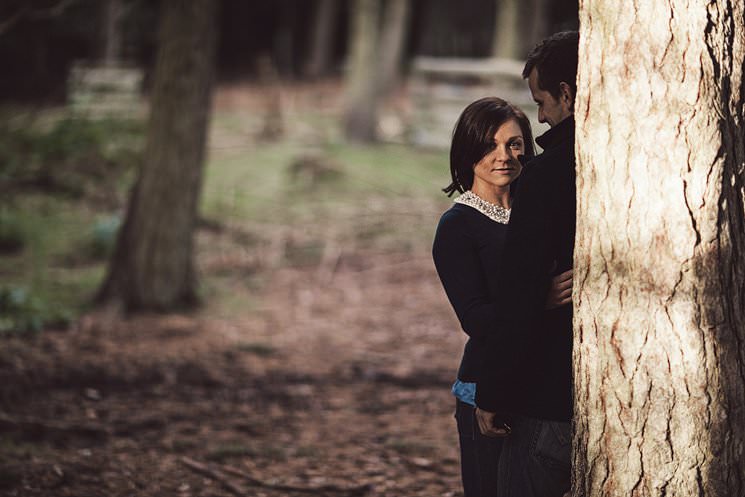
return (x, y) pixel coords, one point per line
(492, 211)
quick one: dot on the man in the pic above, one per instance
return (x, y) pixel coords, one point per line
(526, 391)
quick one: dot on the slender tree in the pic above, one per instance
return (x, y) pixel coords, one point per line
(518, 26)
(659, 358)
(534, 21)
(392, 44)
(360, 116)
(152, 266)
(322, 37)
(283, 38)
(111, 31)
(507, 34)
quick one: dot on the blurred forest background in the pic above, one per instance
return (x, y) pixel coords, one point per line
(311, 348)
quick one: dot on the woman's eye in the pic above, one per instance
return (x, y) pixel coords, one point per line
(516, 145)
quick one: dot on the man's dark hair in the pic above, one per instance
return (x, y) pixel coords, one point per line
(555, 59)
(473, 138)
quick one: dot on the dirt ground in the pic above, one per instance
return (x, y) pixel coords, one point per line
(328, 379)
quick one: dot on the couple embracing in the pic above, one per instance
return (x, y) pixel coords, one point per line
(503, 252)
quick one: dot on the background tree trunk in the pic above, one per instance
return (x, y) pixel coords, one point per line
(152, 267)
(659, 358)
(507, 38)
(534, 22)
(322, 37)
(360, 116)
(284, 39)
(392, 43)
(111, 32)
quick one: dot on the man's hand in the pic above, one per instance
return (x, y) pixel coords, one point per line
(490, 425)
(560, 292)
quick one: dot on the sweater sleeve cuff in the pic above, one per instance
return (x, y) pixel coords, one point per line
(487, 399)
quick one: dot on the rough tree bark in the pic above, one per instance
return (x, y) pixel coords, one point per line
(152, 266)
(360, 116)
(659, 357)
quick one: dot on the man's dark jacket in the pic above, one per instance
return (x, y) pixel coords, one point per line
(529, 366)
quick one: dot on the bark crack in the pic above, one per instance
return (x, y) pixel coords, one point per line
(598, 454)
(617, 347)
(694, 224)
(641, 453)
(637, 361)
(672, 36)
(675, 289)
(663, 488)
(668, 430)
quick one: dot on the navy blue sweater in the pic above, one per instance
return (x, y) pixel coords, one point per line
(466, 252)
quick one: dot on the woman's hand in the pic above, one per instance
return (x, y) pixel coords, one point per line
(490, 425)
(560, 292)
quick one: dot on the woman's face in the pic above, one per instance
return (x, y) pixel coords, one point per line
(500, 167)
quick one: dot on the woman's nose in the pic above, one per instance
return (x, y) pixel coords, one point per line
(502, 153)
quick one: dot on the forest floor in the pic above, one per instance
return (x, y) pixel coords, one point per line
(319, 364)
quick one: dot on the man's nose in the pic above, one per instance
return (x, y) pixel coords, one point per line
(541, 117)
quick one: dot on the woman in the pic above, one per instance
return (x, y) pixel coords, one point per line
(488, 139)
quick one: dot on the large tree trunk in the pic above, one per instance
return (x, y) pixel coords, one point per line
(322, 37)
(659, 358)
(152, 267)
(360, 116)
(392, 44)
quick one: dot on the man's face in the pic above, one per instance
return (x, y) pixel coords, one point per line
(550, 109)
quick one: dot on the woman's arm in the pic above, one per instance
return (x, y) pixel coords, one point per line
(463, 277)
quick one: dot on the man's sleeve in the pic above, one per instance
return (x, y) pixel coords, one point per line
(523, 275)
(523, 283)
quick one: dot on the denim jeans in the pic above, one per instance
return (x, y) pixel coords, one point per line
(479, 455)
(536, 459)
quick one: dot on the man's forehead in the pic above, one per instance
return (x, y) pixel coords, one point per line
(533, 79)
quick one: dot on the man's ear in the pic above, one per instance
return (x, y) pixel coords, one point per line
(565, 95)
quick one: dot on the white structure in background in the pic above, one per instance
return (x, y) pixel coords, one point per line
(441, 88)
(105, 91)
